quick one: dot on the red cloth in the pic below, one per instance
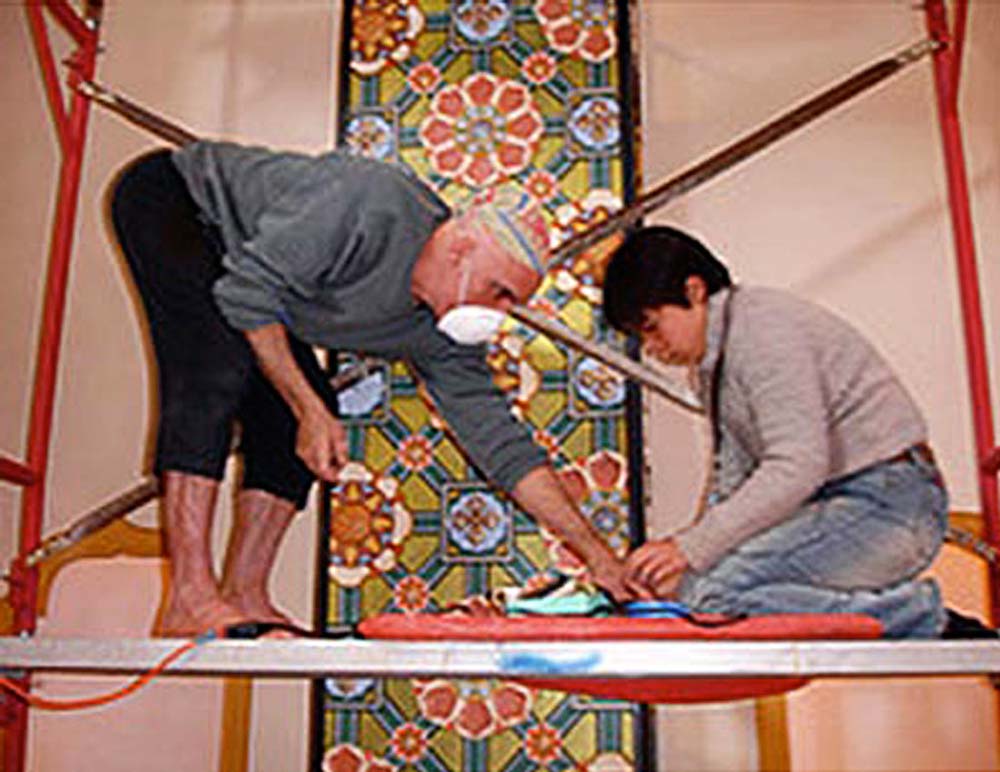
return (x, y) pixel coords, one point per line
(672, 690)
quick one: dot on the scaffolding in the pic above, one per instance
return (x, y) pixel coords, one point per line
(70, 122)
(83, 28)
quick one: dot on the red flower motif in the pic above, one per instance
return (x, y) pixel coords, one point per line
(542, 744)
(438, 701)
(511, 706)
(542, 185)
(424, 78)
(474, 720)
(538, 68)
(584, 28)
(607, 471)
(350, 758)
(415, 452)
(599, 482)
(474, 709)
(409, 743)
(482, 130)
(344, 758)
(411, 594)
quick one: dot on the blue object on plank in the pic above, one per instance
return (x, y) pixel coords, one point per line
(656, 609)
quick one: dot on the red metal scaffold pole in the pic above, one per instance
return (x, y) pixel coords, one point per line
(71, 131)
(947, 74)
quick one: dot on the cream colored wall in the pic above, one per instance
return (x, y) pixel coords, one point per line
(254, 70)
(850, 213)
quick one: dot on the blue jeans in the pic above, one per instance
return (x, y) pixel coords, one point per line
(855, 547)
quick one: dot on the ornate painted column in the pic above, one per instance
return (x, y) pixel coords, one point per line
(470, 94)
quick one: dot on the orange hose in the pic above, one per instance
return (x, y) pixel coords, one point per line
(46, 703)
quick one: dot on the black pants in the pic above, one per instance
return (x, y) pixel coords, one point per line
(208, 376)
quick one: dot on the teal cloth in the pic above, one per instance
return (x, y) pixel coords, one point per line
(578, 603)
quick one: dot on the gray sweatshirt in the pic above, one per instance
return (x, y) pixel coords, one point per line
(326, 245)
(804, 399)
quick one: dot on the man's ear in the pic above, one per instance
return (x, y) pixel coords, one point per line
(695, 290)
(461, 243)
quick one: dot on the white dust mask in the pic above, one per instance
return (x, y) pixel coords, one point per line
(469, 324)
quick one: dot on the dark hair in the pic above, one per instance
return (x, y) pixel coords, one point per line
(650, 269)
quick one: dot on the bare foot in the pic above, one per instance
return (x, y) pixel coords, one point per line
(260, 609)
(187, 619)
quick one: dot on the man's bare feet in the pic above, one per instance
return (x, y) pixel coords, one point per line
(262, 610)
(261, 519)
(189, 618)
(256, 606)
(194, 602)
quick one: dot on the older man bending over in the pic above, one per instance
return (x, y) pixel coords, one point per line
(245, 258)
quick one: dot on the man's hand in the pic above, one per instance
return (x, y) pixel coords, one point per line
(612, 581)
(655, 569)
(321, 443)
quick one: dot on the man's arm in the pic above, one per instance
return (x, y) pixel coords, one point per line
(462, 386)
(773, 370)
(321, 442)
(541, 495)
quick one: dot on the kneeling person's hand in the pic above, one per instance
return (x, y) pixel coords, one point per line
(655, 569)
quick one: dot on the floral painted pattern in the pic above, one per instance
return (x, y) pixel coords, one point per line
(409, 743)
(482, 130)
(513, 373)
(600, 386)
(583, 28)
(585, 275)
(368, 523)
(423, 78)
(474, 709)
(599, 486)
(477, 522)
(539, 68)
(542, 744)
(542, 185)
(476, 94)
(371, 136)
(350, 758)
(544, 306)
(548, 443)
(411, 594)
(415, 452)
(383, 33)
(596, 123)
(482, 20)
